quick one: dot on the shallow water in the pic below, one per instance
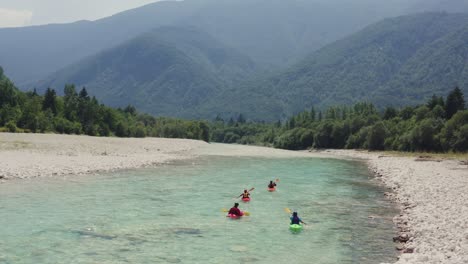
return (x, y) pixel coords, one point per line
(172, 214)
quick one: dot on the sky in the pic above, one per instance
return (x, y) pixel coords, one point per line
(17, 13)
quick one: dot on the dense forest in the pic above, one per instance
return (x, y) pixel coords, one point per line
(440, 125)
(79, 113)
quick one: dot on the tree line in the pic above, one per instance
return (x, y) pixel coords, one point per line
(440, 125)
(78, 113)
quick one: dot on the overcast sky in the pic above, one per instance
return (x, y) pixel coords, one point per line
(15, 13)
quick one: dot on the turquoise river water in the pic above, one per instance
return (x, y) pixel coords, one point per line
(173, 214)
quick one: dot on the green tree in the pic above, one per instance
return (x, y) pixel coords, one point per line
(30, 115)
(204, 132)
(438, 112)
(421, 113)
(8, 92)
(84, 94)
(71, 103)
(241, 119)
(435, 101)
(377, 135)
(389, 113)
(50, 101)
(450, 133)
(460, 140)
(455, 102)
(406, 113)
(423, 135)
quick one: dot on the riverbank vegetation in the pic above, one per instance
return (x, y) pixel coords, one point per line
(79, 113)
(440, 125)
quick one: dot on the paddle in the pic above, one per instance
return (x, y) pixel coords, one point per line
(251, 189)
(287, 210)
(226, 210)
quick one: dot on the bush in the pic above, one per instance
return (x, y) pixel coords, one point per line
(11, 126)
(231, 138)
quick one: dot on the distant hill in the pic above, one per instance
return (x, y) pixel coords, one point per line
(398, 61)
(168, 71)
(274, 33)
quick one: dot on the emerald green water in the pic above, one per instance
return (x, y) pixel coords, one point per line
(172, 214)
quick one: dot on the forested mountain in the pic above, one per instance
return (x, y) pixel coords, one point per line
(168, 71)
(398, 61)
(274, 33)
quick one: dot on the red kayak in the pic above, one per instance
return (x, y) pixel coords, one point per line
(247, 199)
(233, 216)
(271, 189)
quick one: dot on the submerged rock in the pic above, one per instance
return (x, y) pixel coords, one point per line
(248, 259)
(187, 231)
(408, 250)
(170, 259)
(94, 235)
(238, 248)
(403, 238)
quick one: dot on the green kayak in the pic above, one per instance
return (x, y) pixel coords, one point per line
(295, 227)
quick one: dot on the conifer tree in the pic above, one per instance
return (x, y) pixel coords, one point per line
(455, 102)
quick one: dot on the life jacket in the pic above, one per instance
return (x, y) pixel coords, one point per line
(245, 195)
(235, 211)
(295, 220)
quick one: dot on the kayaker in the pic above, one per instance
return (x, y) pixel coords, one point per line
(235, 210)
(245, 194)
(295, 220)
(272, 185)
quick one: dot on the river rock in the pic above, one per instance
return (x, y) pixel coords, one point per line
(408, 250)
(238, 248)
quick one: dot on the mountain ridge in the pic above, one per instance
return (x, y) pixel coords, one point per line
(360, 67)
(163, 72)
(252, 27)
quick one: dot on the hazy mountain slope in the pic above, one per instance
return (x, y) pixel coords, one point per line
(274, 33)
(397, 61)
(435, 68)
(454, 6)
(169, 71)
(31, 53)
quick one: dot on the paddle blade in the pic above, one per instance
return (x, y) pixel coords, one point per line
(277, 180)
(246, 213)
(224, 210)
(287, 210)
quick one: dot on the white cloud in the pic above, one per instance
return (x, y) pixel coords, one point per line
(14, 18)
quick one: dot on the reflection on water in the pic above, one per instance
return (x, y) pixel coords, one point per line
(172, 214)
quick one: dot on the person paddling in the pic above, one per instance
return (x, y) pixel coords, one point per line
(295, 220)
(235, 211)
(246, 194)
(272, 185)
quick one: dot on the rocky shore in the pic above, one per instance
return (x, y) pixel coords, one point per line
(433, 196)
